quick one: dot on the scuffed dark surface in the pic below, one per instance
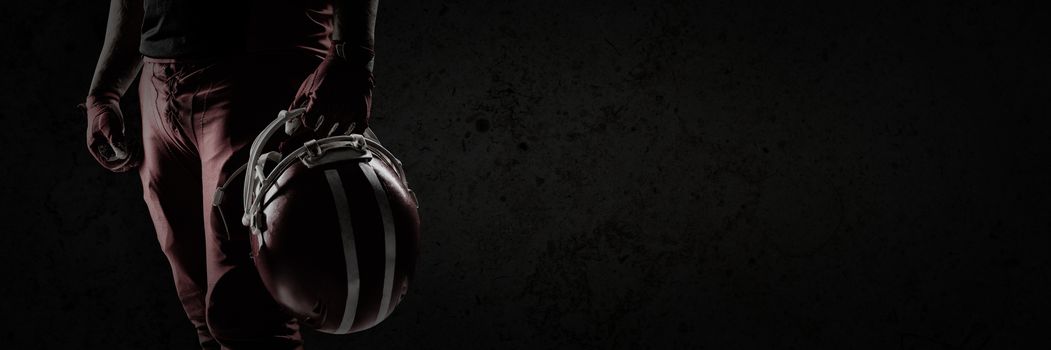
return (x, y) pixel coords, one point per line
(598, 175)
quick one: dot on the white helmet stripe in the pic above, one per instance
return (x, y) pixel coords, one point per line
(388, 232)
(350, 252)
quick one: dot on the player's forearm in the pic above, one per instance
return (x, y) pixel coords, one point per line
(120, 60)
(354, 22)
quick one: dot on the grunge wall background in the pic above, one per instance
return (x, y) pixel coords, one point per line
(605, 175)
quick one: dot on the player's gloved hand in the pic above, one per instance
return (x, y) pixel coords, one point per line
(338, 95)
(106, 140)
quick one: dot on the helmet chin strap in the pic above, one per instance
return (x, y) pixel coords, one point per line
(286, 119)
(264, 137)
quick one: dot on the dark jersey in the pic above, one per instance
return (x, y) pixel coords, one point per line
(207, 28)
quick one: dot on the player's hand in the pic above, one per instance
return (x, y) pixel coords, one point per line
(106, 140)
(338, 95)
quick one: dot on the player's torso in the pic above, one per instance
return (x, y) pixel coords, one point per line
(208, 28)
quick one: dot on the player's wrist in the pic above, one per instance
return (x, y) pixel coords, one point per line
(356, 55)
(99, 97)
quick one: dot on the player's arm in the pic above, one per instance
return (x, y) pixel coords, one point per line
(338, 95)
(120, 60)
(354, 22)
(117, 67)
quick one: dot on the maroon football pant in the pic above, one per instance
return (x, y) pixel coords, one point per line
(199, 118)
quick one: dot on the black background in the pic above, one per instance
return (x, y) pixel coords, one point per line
(613, 175)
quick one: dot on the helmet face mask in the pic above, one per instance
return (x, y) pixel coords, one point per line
(335, 228)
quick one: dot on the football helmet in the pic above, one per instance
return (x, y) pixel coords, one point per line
(334, 226)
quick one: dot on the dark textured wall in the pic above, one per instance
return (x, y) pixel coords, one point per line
(614, 175)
